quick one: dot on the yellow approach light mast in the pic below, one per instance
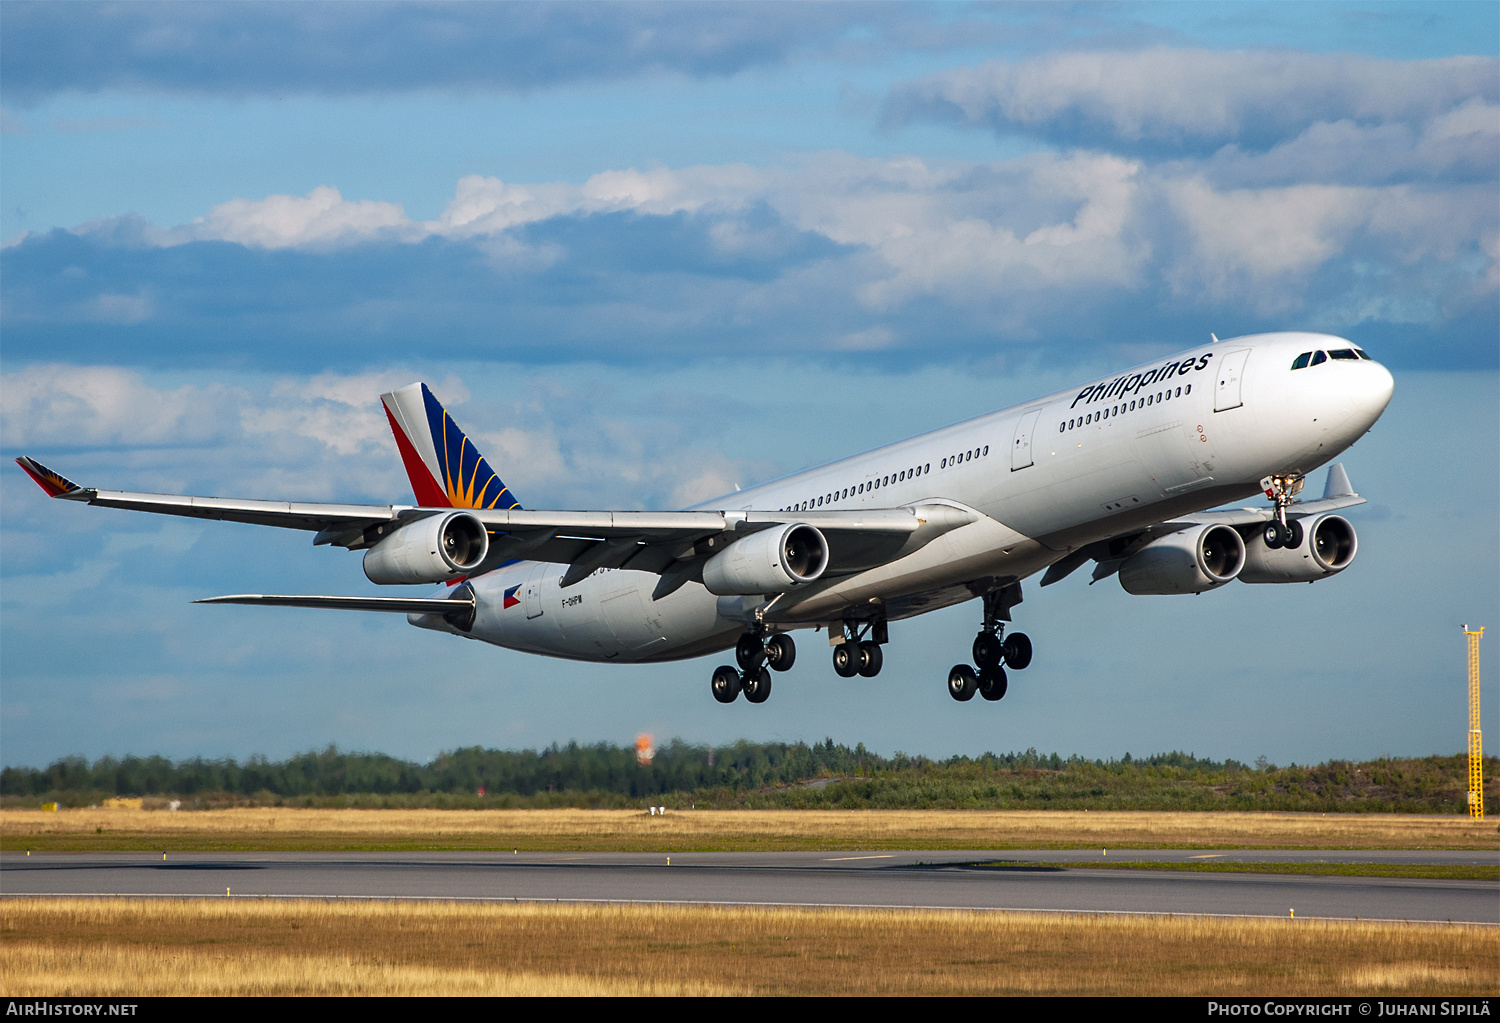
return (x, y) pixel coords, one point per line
(1476, 746)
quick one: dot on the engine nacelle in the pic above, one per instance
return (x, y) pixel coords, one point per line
(770, 561)
(1328, 546)
(1191, 561)
(430, 550)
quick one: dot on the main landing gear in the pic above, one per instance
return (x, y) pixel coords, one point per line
(757, 656)
(1279, 532)
(993, 651)
(859, 653)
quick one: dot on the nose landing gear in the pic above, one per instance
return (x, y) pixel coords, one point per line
(1279, 532)
(993, 651)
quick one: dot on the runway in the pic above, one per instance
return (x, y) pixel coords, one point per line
(1048, 880)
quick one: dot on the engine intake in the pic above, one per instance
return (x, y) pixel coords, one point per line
(1329, 544)
(1193, 560)
(770, 561)
(430, 550)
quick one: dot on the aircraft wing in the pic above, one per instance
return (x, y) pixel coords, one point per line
(673, 542)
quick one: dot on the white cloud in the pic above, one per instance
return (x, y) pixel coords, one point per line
(1010, 242)
(1177, 96)
(1261, 245)
(320, 219)
(104, 405)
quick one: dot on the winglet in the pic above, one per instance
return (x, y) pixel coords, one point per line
(1338, 483)
(55, 484)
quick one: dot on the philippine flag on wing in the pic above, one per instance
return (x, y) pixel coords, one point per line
(511, 600)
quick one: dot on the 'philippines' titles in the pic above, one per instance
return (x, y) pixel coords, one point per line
(1133, 383)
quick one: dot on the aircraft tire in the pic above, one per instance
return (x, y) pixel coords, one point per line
(1274, 535)
(750, 651)
(781, 652)
(1293, 534)
(1017, 650)
(870, 659)
(987, 650)
(846, 660)
(962, 683)
(726, 683)
(992, 683)
(757, 685)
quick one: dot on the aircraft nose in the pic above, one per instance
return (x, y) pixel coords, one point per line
(1370, 391)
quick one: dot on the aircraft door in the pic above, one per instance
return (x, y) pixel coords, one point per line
(1020, 451)
(1231, 373)
(532, 591)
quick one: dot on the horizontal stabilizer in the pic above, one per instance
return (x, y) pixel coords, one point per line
(394, 605)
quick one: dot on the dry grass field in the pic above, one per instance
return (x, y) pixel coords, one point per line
(280, 828)
(252, 947)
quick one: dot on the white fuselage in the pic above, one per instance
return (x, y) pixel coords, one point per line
(1169, 438)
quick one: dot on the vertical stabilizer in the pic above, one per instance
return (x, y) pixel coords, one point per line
(445, 469)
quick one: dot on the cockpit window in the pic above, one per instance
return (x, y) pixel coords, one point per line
(1319, 358)
(1343, 353)
(1362, 354)
(1300, 362)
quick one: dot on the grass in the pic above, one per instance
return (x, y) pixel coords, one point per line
(285, 829)
(121, 947)
(1421, 871)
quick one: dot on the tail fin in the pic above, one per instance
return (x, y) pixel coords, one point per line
(445, 469)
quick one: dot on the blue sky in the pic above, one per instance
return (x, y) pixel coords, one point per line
(647, 252)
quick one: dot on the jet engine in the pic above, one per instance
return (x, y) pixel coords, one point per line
(770, 561)
(1328, 546)
(430, 550)
(1190, 561)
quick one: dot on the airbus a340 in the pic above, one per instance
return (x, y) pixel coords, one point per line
(1119, 471)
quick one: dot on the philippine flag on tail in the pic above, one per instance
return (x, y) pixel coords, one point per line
(445, 469)
(511, 600)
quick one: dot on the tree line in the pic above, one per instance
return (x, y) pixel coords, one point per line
(751, 774)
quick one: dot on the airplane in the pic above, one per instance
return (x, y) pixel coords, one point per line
(1123, 471)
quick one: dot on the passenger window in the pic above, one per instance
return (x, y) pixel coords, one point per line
(1300, 362)
(1346, 354)
(1319, 358)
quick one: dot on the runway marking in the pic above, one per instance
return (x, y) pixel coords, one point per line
(1206, 856)
(840, 859)
(724, 902)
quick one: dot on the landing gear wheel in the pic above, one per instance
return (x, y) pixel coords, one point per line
(1275, 535)
(870, 659)
(726, 683)
(781, 652)
(962, 683)
(846, 660)
(750, 651)
(1293, 534)
(987, 649)
(992, 683)
(1017, 648)
(757, 685)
